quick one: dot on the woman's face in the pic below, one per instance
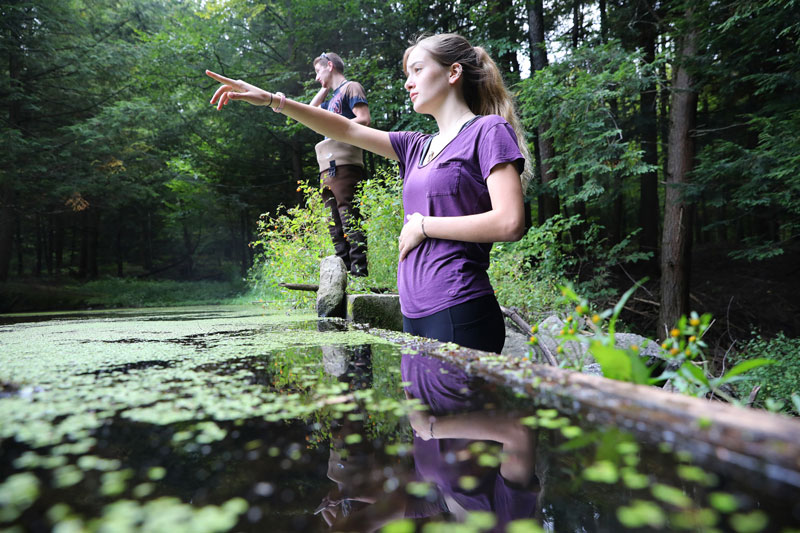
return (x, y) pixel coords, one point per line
(427, 82)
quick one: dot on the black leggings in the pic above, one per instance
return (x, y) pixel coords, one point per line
(474, 324)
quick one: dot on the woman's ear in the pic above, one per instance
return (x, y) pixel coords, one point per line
(455, 72)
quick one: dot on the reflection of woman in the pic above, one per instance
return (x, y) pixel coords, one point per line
(462, 188)
(442, 439)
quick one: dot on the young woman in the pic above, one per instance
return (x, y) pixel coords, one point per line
(462, 187)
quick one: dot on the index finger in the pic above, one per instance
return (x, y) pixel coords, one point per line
(221, 79)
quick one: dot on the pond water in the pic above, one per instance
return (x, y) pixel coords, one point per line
(245, 419)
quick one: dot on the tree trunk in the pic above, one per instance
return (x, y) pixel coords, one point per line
(83, 262)
(648, 135)
(548, 203)
(245, 244)
(49, 244)
(676, 239)
(119, 252)
(580, 206)
(188, 264)
(58, 243)
(7, 193)
(6, 231)
(20, 251)
(601, 6)
(39, 241)
(94, 241)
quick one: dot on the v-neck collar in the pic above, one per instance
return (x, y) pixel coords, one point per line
(427, 144)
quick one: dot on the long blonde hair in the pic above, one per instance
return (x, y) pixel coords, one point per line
(483, 86)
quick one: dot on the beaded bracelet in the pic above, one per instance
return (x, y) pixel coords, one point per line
(280, 105)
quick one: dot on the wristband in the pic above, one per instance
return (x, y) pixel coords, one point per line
(270, 100)
(280, 105)
(422, 225)
(432, 421)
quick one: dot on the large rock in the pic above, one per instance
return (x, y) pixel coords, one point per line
(332, 287)
(576, 354)
(377, 310)
(516, 343)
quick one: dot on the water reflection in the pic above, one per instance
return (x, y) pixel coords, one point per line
(299, 436)
(447, 435)
(464, 458)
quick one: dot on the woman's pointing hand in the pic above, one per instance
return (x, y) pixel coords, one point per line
(238, 90)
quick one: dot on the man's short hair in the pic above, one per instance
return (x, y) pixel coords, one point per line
(334, 58)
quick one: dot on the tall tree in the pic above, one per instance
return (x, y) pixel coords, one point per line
(676, 237)
(548, 200)
(647, 31)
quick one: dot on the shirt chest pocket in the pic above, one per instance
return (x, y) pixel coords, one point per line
(444, 179)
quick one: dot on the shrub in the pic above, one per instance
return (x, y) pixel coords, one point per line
(290, 245)
(380, 200)
(779, 382)
(526, 274)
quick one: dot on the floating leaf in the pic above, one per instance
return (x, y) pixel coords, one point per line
(641, 513)
(602, 472)
(723, 502)
(752, 522)
(671, 495)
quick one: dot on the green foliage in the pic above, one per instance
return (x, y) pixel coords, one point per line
(581, 99)
(290, 246)
(526, 273)
(683, 350)
(780, 383)
(381, 203)
(116, 292)
(760, 183)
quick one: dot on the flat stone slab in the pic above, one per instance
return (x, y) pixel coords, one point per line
(378, 310)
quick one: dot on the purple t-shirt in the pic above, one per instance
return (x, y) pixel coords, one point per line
(441, 273)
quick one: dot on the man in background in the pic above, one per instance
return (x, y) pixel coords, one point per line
(341, 165)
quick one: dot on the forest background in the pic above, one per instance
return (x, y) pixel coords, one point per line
(665, 136)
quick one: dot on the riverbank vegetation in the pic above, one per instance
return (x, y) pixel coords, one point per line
(664, 135)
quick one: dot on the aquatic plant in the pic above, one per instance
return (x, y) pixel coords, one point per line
(686, 366)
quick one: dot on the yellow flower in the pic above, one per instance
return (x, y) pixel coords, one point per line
(674, 351)
(692, 338)
(675, 332)
(560, 349)
(533, 339)
(580, 309)
(569, 318)
(688, 351)
(595, 318)
(634, 348)
(695, 322)
(534, 328)
(571, 331)
(664, 345)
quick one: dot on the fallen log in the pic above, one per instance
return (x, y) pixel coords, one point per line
(543, 352)
(300, 286)
(739, 440)
(310, 287)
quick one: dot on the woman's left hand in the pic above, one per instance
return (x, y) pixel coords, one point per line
(411, 234)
